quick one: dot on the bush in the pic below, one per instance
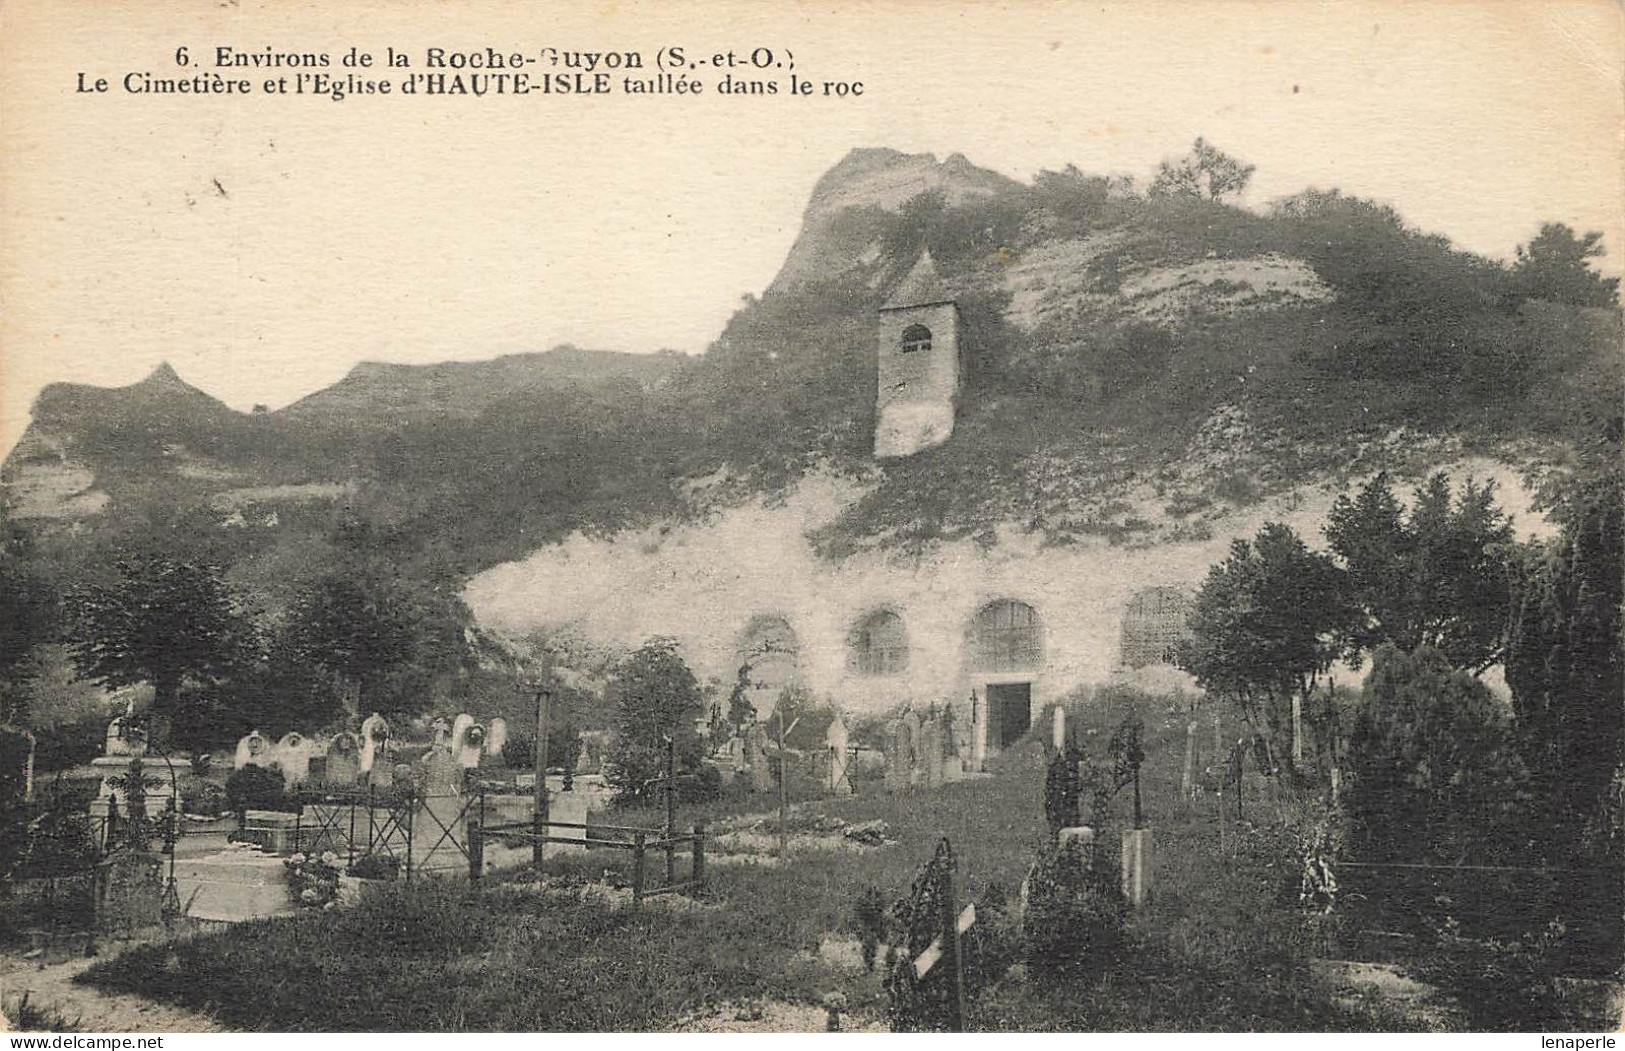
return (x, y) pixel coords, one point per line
(1505, 986)
(35, 1018)
(869, 921)
(702, 786)
(199, 796)
(1062, 789)
(656, 699)
(376, 866)
(313, 882)
(1434, 774)
(519, 752)
(256, 788)
(1073, 927)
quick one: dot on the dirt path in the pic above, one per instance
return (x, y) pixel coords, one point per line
(52, 989)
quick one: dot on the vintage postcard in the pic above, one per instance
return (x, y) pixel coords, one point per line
(916, 517)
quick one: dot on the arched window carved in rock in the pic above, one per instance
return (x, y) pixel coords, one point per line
(879, 645)
(1006, 636)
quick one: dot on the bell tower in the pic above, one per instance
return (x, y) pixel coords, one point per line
(918, 366)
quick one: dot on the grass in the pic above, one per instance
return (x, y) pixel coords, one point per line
(442, 955)
(26, 1017)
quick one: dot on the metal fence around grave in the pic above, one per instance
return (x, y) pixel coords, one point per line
(415, 832)
(640, 842)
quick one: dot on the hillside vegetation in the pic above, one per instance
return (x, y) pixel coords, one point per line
(1136, 360)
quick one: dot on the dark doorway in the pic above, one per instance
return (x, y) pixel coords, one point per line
(1010, 712)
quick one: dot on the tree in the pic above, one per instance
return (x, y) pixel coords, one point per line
(163, 621)
(1206, 171)
(1436, 578)
(29, 616)
(1434, 775)
(1267, 623)
(656, 698)
(1565, 658)
(389, 637)
(1556, 265)
(741, 713)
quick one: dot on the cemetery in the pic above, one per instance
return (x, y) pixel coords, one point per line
(399, 863)
(1271, 816)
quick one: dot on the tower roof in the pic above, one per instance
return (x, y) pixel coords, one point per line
(922, 286)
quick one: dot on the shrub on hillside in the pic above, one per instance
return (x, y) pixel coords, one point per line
(256, 788)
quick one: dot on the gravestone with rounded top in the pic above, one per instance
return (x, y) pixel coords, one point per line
(343, 760)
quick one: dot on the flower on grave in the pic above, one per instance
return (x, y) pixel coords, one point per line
(309, 896)
(329, 858)
(297, 859)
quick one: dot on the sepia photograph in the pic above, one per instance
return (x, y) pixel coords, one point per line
(805, 517)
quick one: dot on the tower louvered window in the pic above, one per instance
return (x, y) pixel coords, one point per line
(916, 337)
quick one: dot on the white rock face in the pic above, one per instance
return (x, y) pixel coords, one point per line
(703, 584)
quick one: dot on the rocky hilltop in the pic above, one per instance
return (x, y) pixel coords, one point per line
(1141, 371)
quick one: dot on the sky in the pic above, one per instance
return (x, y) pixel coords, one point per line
(263, 245)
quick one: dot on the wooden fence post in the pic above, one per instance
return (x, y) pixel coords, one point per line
(476, 837)
(671, 810)
(699, 857)
(637, 869)
(539, 815)
(949, 909)
(411, 821)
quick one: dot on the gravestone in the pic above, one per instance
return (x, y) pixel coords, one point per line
(837, 742)
(899, 756)
(129, 891)
(761, 778)
(293, 757)
(467, 741)
(122, 741)
(343, 761)
(375, 748)
(1058, 730)
(441, 731)
(253, 750)
(911, 737)
(930, 753)
(442, 774)
(497, 736)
